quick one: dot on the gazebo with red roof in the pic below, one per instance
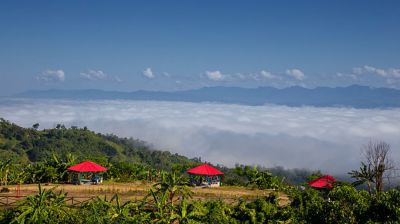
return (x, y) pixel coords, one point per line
(212, 175)
(88, 167)
(322, 182)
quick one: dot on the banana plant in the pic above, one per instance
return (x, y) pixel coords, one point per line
(44, 207)
(174, 186)
(363, 175)
(4, 171)
(162, 212)
(187, 213)
(121, 212)
(96, 209)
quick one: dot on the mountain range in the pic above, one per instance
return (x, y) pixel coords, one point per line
(351, 96)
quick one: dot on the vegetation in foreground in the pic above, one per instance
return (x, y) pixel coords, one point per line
(169, 201)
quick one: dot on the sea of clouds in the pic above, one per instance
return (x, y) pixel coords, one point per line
(328, 139)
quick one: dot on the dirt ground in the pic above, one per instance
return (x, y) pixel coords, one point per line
(137, 190)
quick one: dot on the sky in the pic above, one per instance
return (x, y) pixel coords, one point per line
(174, 45)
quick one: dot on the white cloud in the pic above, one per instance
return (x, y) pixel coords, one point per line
(345, 75)
(240, 76)
(377, 71)
(386, 73)
(52, 76)
(94, 75)
(148, 73)
(215, 75)
(357, 70)
(267, 74)
(263, 75)
(304, 137)
(394, 72)
(296, 73)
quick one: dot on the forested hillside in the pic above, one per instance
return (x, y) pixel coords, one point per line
(23, 145)
(126, 156)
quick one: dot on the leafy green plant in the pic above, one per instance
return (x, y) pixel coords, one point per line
(363, 176)
(46, 206)
(174, 186)
(261, 179)
(4, 171)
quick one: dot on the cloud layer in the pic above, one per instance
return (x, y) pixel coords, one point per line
(317, 138)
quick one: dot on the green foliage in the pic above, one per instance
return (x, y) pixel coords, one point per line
(173, 186)
(218, 212)
(364, 175)
(262, 210)
(45, 207)
(385, 206)
(346, 205)
(261, 179)
(4, 171)
(124, 172)
(102, 210)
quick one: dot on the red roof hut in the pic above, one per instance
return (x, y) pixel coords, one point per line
(88, 167)
(323, 182)
(212, 175)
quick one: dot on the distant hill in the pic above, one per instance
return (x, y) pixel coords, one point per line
(352, 96)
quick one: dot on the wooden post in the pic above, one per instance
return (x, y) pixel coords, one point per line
(18, 191)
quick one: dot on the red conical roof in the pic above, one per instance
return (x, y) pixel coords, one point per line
(322, 182)
(87, 166)
(205, 169)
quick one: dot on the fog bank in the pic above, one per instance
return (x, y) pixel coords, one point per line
(294, 137)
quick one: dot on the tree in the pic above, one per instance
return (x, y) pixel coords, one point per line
(35, 126)
(261, 179)
(376, 164)
(364, 175)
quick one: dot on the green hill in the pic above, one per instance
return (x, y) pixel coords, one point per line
(24, 145)
(126, 155)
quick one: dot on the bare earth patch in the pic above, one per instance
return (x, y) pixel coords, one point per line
(137, 190)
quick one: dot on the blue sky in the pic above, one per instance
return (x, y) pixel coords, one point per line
(172, 45)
